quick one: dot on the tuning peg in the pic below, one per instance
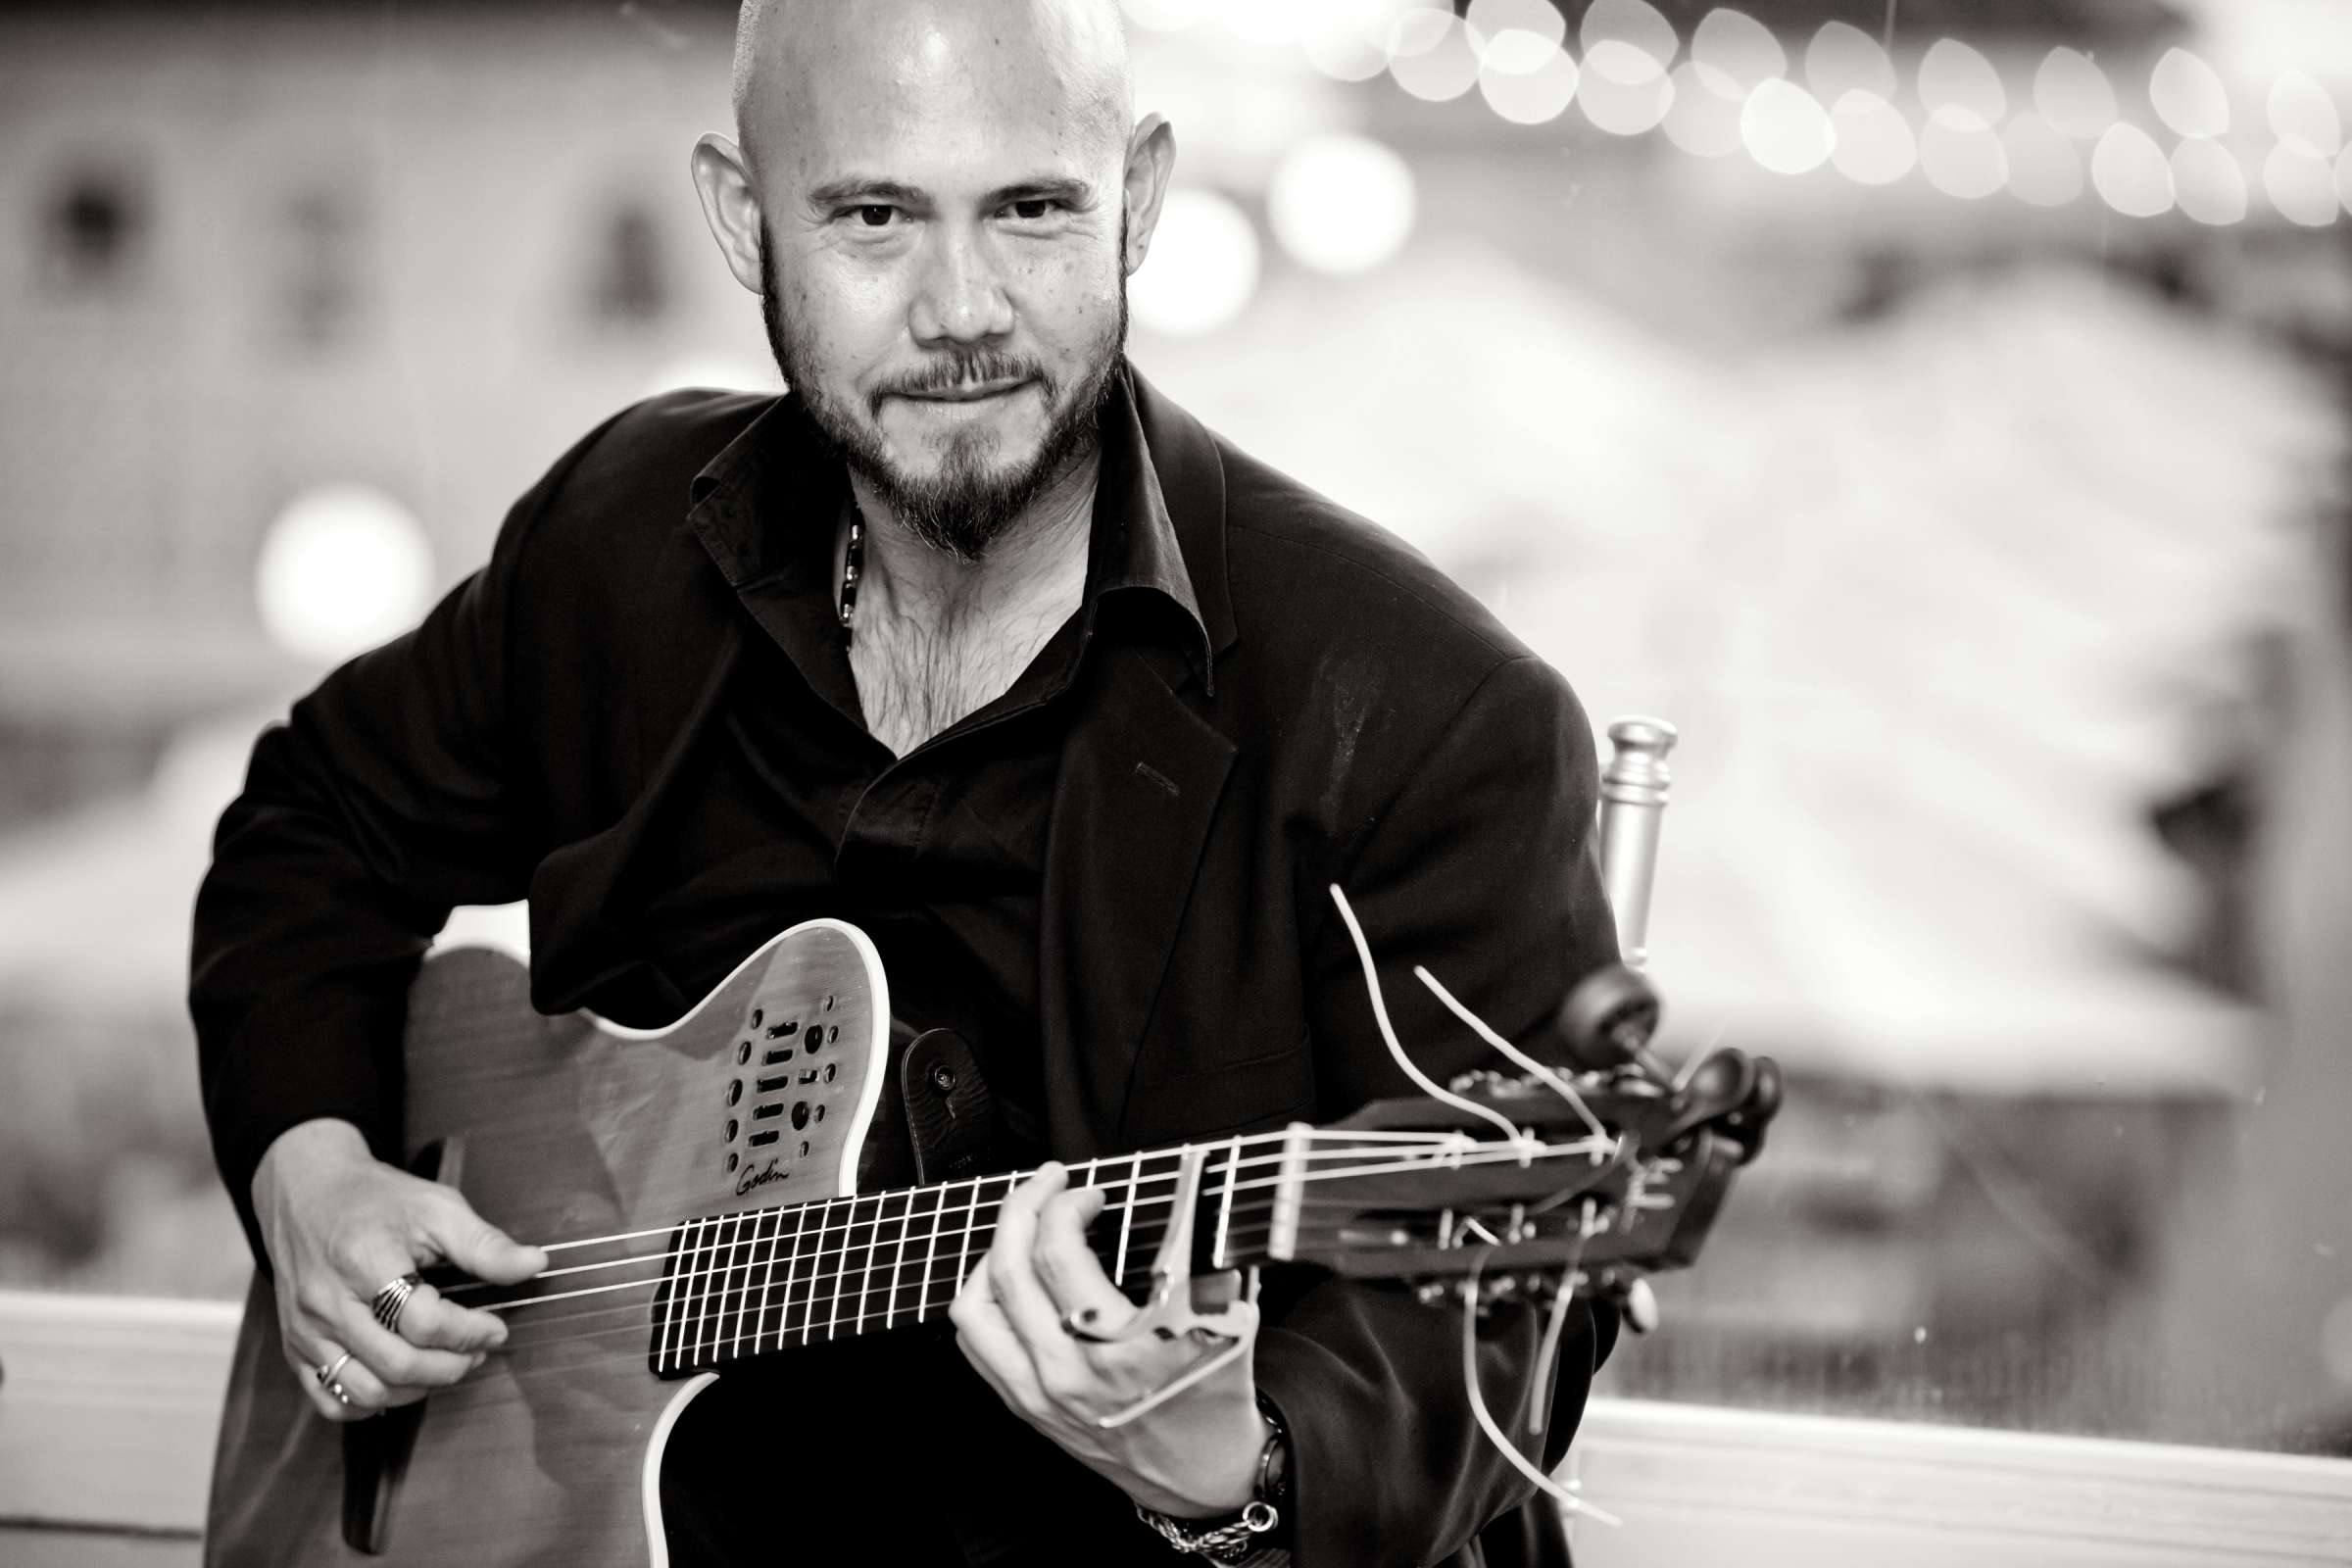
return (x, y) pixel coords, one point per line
(1608, 1020)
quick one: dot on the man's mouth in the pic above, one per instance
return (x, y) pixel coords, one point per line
(968, 391)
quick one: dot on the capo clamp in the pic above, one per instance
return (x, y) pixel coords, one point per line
(1172, 1309)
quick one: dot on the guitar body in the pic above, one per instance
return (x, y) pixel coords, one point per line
(559, 1128)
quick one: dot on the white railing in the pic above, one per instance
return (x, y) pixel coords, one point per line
(108, 1405)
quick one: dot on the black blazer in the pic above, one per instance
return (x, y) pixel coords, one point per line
(1363, 722)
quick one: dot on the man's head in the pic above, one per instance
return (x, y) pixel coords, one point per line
(939, 202)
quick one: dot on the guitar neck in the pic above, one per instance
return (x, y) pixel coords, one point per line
(753, 1283)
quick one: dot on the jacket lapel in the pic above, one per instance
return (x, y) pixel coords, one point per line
(1141, 779)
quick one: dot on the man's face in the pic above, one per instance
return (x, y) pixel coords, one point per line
(942, 271)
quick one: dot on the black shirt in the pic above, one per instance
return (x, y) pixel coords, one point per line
(795, 809)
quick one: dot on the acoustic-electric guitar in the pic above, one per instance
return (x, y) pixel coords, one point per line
(701, 1193)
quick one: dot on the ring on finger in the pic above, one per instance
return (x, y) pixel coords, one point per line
(392, 1299)
(1079, 1325)
(327, 1372)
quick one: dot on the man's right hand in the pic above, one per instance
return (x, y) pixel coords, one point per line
(339, 1225)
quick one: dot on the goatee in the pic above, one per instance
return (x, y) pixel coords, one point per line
(970, 500)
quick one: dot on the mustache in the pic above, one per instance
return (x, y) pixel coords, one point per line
(950, 373)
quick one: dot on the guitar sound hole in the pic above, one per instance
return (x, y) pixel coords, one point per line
(781, 1030)
(769, 1086)
(766, 1112)
(743, 1053)
(732, 1129)
(770, 1058)
(734, 1090)
(757, 1013)
(828, 1072)
(732, 1161)
(762, 1140)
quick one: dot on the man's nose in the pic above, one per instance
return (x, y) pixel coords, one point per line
(960, 299)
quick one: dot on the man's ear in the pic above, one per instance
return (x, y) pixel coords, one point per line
(722, 178)
(1151, 162)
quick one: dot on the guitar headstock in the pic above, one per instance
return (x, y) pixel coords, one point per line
(1619, 1177)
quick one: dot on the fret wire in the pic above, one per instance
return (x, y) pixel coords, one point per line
(1135, 1171)
(792, 1273)
(689, 1346)
(739, 1261)
(767, 1281)
(1233, 1164)
(923, 1289)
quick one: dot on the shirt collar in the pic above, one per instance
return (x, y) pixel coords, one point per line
(767, 506)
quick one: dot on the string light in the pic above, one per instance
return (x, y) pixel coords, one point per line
(2188, 95)
(2044, 169)
(1874, 141)
(1529, 92)
(2302, 187)
(1202, 267)
(1704, 118)
(1626, 90)
(1431, 55)
(1960, 155)
(1740, 46)
(1785, 127)
(1635, 23)
(2303, 116)
(1953, 76)
(2072, 93)
(2131, 172)
(1341, 204)
(1843, 58)
(2208, 183)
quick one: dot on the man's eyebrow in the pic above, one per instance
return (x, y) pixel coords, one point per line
(858, 189)
(1077, 192)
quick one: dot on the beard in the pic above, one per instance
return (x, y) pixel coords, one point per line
(970, 500)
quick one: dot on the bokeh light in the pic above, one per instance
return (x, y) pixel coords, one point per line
(2073, 94)
(2304, 117)
(1874, 141)
(1785, 127)
(1431, 55)
(2131, 172)
(2188, 95)
(2302, 187)
(2207, 181)
(1961, 155)
(1625, 90)
(1340, 203)
(1954, 75)
(1740, 46)
(2044, 168)
(1633, 22)
(1348, 40)
(1201, 268)
(343, 567)
(1843, 58)
(1496, 21)
(1524, 91)
(1704, 117)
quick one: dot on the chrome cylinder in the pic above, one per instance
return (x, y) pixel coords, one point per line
(1632, 801)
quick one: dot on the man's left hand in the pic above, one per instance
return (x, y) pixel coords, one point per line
(1193, 1456)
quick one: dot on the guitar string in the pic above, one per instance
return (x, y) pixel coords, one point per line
(1211, 1175)
(734, 1301)
(1474, 1154)
(547, 1350)
(1126, 1191)
(1381, 1135)
(783, 1335)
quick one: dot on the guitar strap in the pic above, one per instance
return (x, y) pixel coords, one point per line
(937, 1122)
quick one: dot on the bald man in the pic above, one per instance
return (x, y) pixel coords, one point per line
(978, 642)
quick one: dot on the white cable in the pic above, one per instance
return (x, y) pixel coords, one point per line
(1520, 1058)
(1380, 1016)
(1486, 1422)
(1540, 1409)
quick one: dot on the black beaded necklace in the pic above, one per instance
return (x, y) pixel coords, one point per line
(853, 562)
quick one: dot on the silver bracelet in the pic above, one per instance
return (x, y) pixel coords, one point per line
(1227, 1542)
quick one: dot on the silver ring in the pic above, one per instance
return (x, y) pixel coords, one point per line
(1080, 1326)
(392, 1299)
(325, 1374)
(341, 1397)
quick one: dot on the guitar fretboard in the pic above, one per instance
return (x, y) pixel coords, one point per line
(765, 1280)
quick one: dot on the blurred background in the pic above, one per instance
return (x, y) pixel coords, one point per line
(1935, 409)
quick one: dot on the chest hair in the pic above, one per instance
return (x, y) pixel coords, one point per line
(919, 676)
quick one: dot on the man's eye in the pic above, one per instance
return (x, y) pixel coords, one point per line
(874, 215)
(1034, 209)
